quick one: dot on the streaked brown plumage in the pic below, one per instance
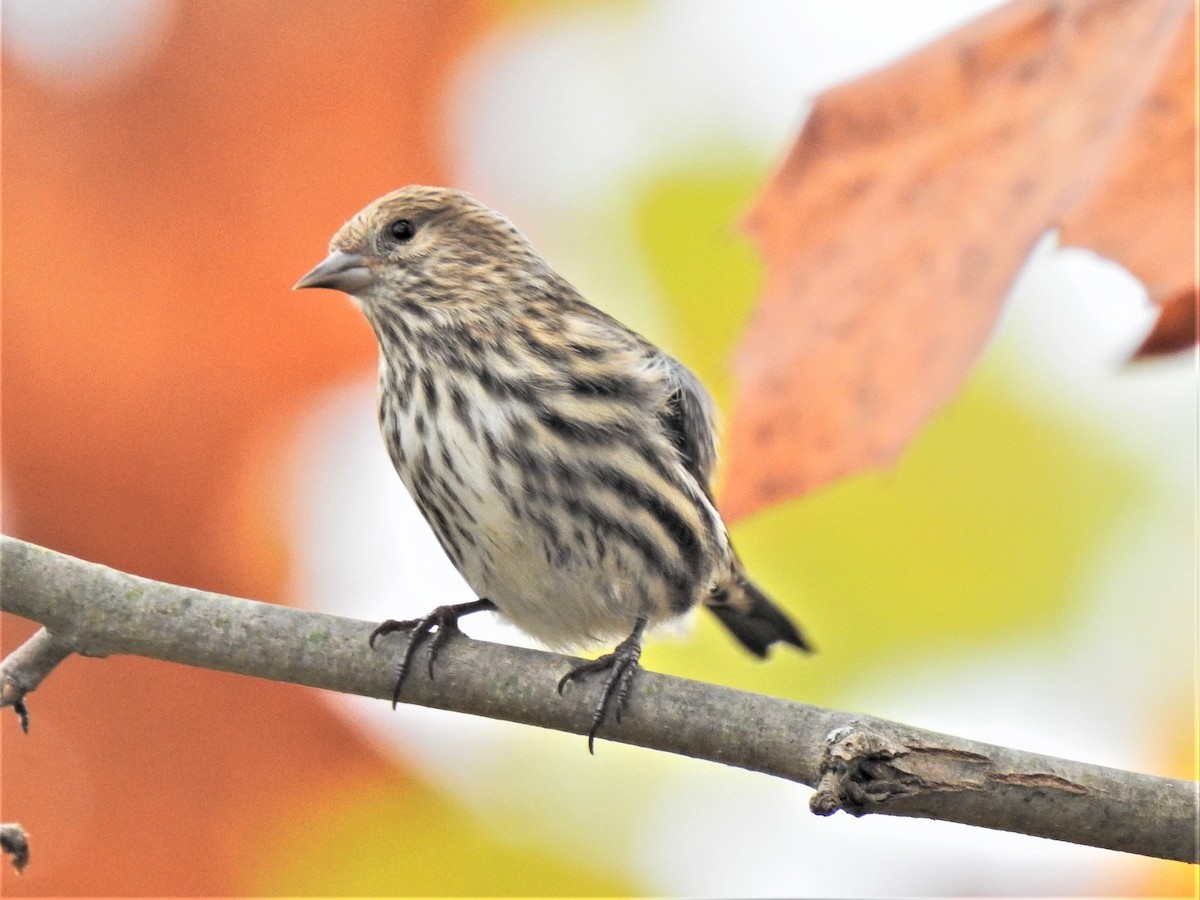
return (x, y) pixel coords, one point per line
(563, 461)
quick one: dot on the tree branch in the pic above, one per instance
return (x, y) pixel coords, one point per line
(857, 763)
(23, 670)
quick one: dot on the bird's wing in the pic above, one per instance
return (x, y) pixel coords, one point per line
(684, 408)
(689, 422)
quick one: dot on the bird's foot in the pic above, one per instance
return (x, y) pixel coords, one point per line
(444, 619)
(622, 665)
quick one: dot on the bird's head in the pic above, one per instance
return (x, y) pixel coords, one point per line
(424, 244)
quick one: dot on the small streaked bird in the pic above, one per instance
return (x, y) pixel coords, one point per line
(563, 460)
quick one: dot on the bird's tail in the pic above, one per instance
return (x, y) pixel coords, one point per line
(753, 619)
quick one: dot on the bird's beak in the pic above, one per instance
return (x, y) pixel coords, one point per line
(339, 271)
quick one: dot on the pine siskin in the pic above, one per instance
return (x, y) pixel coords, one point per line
(563, 461)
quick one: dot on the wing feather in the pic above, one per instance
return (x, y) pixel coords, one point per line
(689, 421)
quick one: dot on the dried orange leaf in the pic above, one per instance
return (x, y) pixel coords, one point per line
(893, 230)
(1176, 328)
(1142, 212)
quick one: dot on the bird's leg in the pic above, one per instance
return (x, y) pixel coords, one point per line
(622, 664)
(444, 619)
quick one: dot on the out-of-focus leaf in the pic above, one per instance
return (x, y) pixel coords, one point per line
(894, 229)
(374, 838)
(154, 360)
(705, 271)
(1142, 212)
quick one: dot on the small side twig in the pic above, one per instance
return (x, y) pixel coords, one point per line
(24, 669)
(14, 843)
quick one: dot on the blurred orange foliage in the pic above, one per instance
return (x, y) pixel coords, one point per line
(154, 357)
(894, 229)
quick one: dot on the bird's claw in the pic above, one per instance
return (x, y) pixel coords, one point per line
(388, 626)
(444, 619)
(622, 664)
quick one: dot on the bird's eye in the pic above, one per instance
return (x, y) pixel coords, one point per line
(401, 230)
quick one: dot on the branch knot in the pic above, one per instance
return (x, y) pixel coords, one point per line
(858, 773)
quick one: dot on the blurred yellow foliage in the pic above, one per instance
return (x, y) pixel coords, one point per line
(986, 527)
(403, 839)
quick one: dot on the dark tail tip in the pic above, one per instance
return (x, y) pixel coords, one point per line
(756, 622)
